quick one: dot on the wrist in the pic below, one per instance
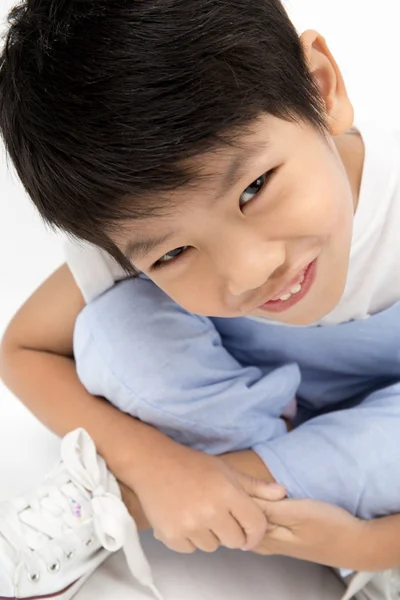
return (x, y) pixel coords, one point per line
(367, 546)
(250, 463)
(379, 543)
(357, 547)
(362, 547)
(131, 447)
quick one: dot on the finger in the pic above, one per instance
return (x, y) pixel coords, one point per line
(181, 545)
(266, 549)
(258, 488)
(206, 541)
(251, 519)
(276, 513)
(229, 532)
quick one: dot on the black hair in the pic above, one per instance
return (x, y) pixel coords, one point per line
(102, 102)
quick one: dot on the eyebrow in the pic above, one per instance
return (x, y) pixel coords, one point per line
(137, 249)
(239, 167)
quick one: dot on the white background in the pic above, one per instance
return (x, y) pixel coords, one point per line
(363, 35)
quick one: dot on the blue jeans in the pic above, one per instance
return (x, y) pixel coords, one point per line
(221, 385)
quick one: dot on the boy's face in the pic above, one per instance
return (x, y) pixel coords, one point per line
(284, 228)
(268, 231)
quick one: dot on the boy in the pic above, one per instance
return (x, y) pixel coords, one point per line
(213, 139)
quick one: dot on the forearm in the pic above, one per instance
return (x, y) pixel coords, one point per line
(380, 548)
(49, 386)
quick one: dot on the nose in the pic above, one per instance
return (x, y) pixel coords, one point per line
(246, 259)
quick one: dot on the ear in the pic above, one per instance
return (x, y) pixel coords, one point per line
(329, 79)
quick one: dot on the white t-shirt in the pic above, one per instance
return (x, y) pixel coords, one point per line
(373, 282)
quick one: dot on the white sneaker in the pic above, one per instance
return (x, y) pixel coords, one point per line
(373, 586)
(53, 539)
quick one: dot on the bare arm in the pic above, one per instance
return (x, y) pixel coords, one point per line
(36, 363)
(382, 543)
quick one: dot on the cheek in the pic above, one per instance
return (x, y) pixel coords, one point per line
(194, 292)
(323, 202)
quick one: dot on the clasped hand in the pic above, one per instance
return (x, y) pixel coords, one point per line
(312, 530)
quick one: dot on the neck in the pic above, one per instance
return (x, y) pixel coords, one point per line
(352, 152)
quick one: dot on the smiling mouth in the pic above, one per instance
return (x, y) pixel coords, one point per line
(294, 291)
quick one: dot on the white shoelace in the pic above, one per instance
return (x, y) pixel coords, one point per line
(26, 523)
(383, 585)
(358, 582)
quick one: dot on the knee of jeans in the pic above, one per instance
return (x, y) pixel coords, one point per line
(104, 342)
(135, 330)
(130, 303)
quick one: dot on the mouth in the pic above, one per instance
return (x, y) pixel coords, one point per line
(294, 292)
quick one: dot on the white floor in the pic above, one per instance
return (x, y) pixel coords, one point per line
(28, 253)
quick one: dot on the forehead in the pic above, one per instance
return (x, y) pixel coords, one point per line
(240, 147)
(225, 164)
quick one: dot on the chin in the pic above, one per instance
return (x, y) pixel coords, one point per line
(304, 315)
(305, 319)
(317, 314)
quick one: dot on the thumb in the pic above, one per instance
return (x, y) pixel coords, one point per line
(279, 514)
(258, 488)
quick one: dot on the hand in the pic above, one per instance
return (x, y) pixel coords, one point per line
(314, 531)
(198, 501)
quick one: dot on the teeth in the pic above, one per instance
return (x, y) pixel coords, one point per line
(295, 289)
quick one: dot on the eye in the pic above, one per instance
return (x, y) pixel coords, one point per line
(169, 256)
(252, 190)
(249, 193)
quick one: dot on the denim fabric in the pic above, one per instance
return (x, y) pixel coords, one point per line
(221, 385)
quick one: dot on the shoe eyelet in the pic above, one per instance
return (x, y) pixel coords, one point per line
(34, 577)
(54, 568)
(90, 541)
(70, 555)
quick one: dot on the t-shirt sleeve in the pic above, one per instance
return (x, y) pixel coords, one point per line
(93, 269)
